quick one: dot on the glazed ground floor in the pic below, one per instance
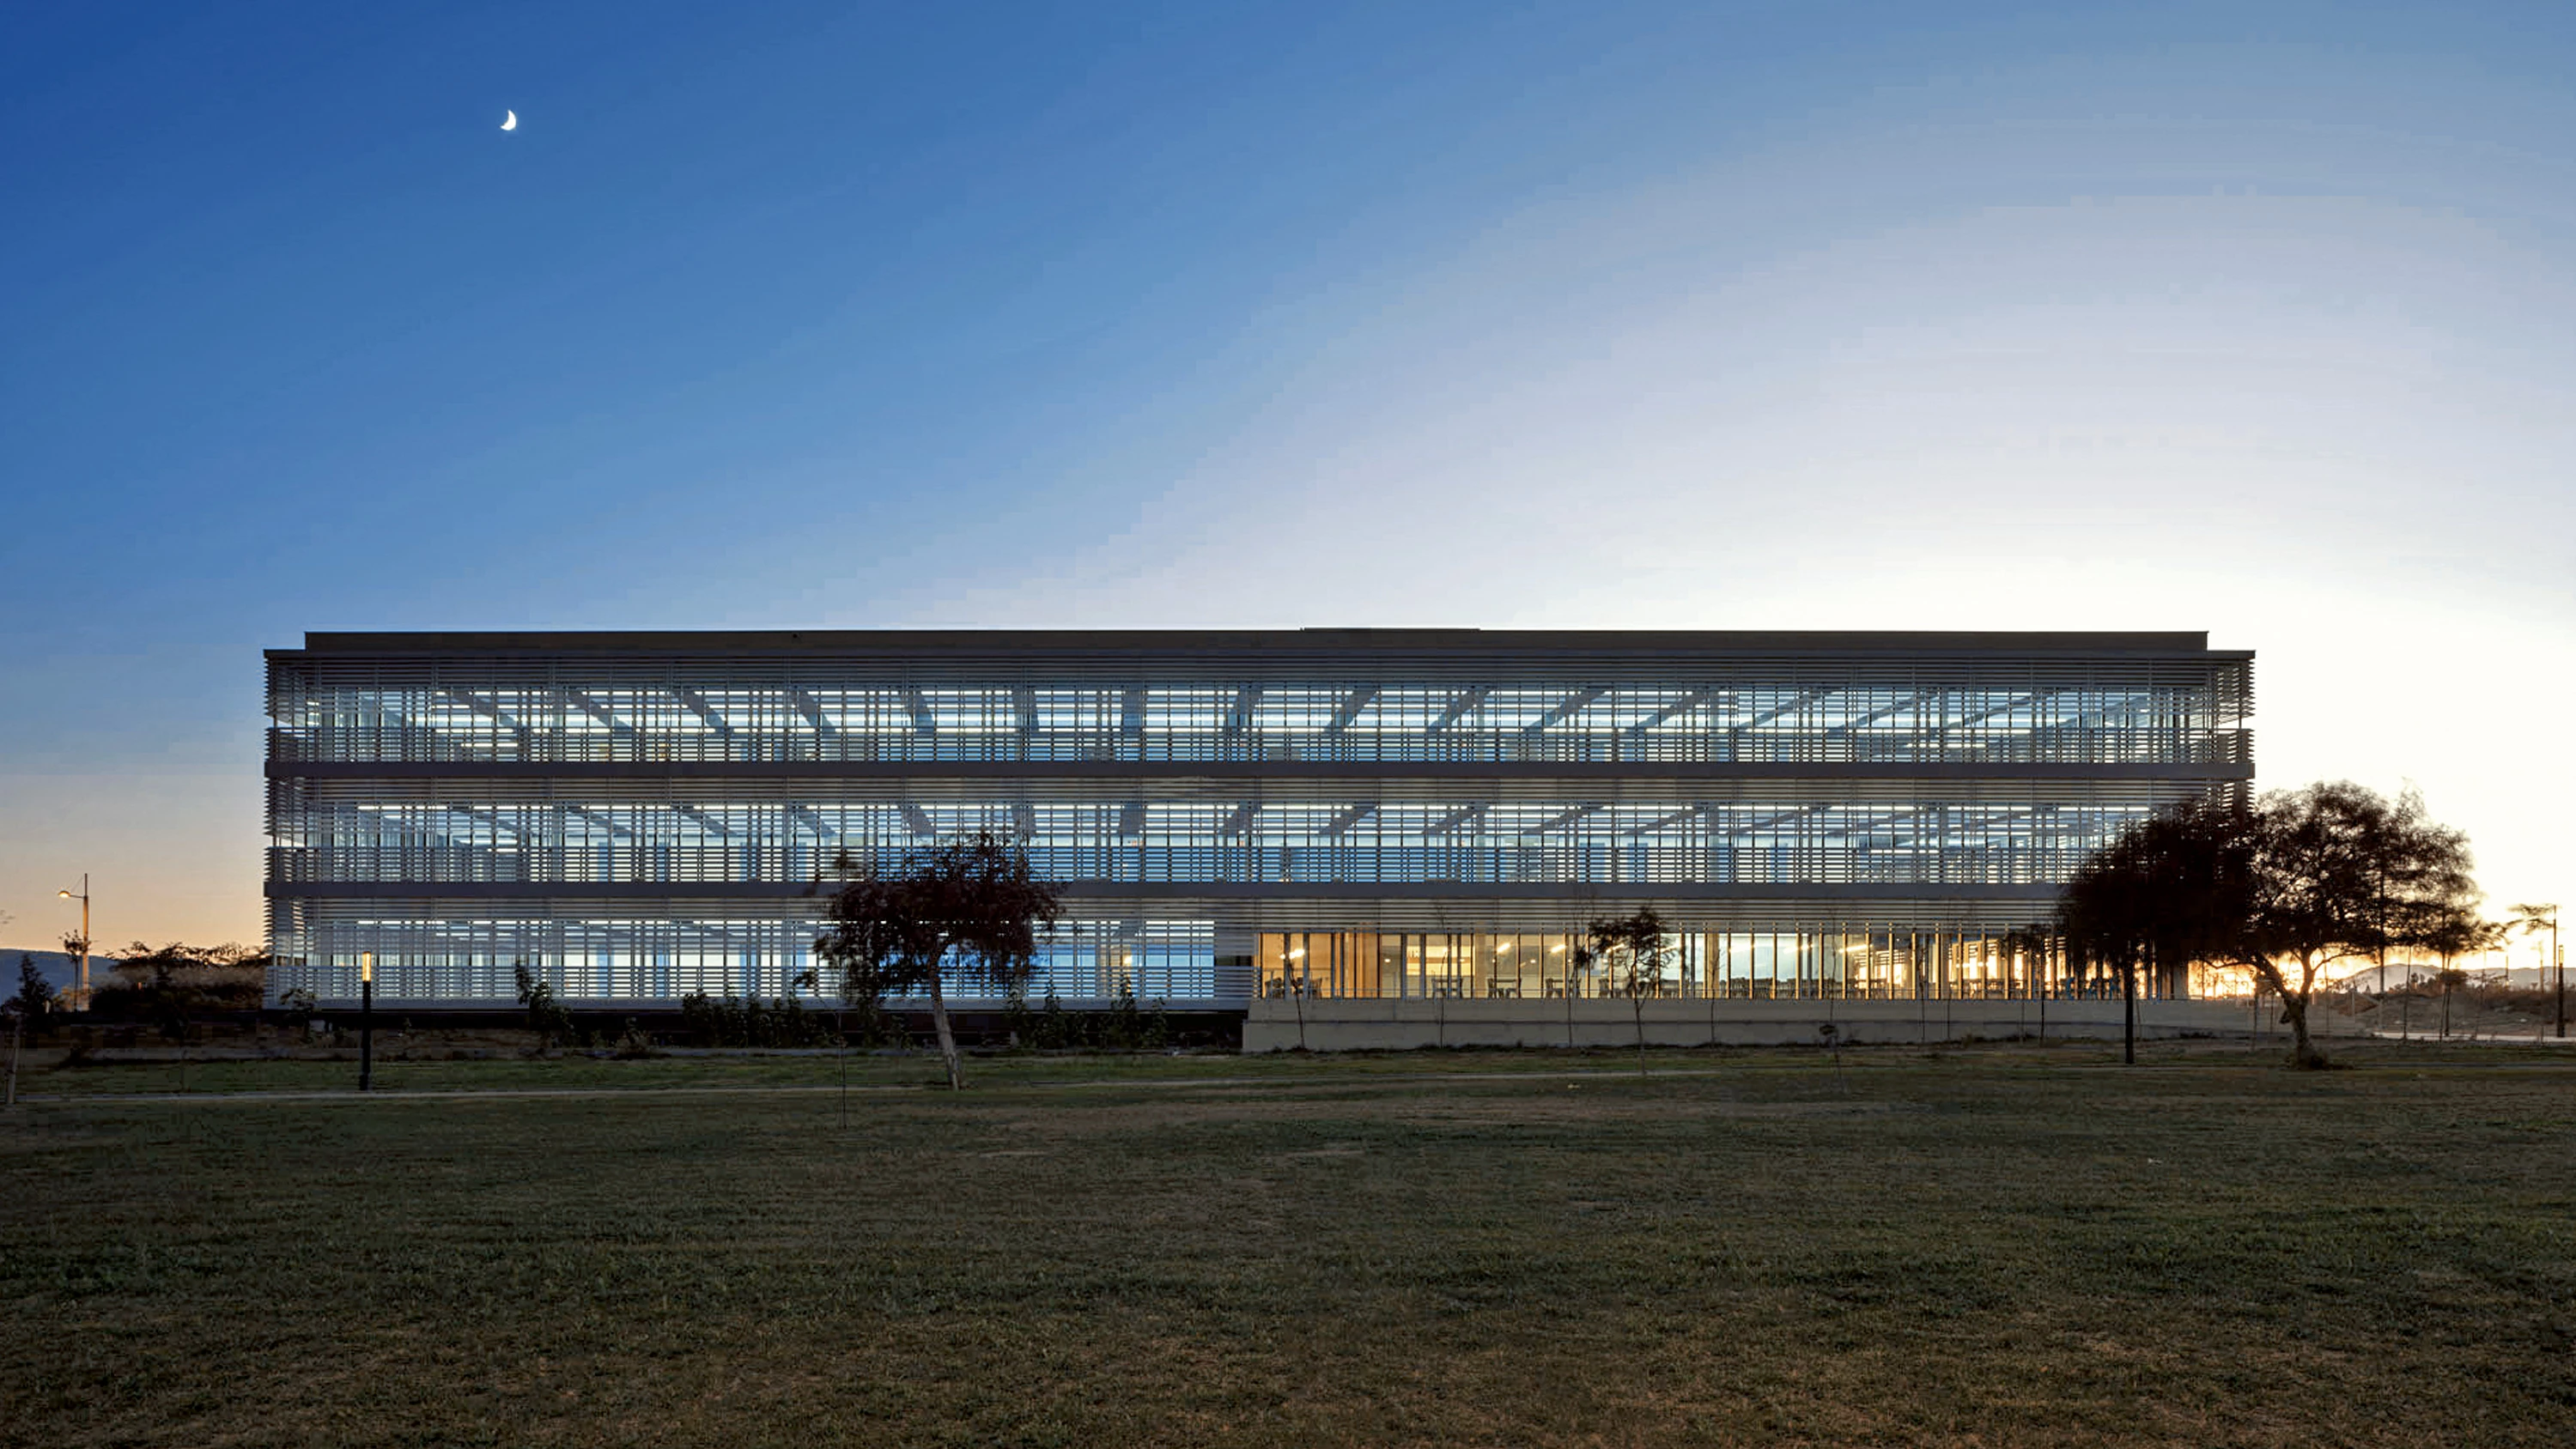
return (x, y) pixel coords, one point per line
(1846, 960)
(1195, 948)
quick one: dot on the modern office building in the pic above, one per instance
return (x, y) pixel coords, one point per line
(1389, 813)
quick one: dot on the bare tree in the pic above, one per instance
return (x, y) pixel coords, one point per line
(1583, 902)
(968, 905)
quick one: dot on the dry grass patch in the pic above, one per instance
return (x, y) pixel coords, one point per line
(1997, 1249)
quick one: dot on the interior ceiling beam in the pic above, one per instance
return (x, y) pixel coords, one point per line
(2127, 704)
(1874, 716)
(1676, 709)
(1982, 715)
(1349, 709)
(1800, 701)
(1896, 820)
(484, 815)
(1573, 705)
(1344, 820)
(812, 710)
(1458, 708)
(592, 707)
(601, 819)
(1768, 821)
(703, 818)
(489, 709)
(1561, 819)
(1660, 821)
(1238, 716)
(706, 713)
(1463, 815)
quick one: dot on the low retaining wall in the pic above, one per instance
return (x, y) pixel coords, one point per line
(1362, 1024)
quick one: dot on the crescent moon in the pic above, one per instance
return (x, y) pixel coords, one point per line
(509, 120)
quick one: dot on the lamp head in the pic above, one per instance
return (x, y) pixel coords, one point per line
(66, 895)
(366, 966)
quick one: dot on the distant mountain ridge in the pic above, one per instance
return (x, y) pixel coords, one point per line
(59, 968)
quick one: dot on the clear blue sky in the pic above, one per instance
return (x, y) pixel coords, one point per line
(2259, 318)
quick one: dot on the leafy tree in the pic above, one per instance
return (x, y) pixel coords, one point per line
(2450, 979)
(969, 905)
(1124, 1031)
(1057, 1027)
(1018, 1021)
(2530, 919)
(1639, 943)
(172, 982)
(36, 998)
(546, 1016)
(2342, 873)
(2463, 935)
(2283, 888)
(2169, 890)
(76, 947)
(298, 1002)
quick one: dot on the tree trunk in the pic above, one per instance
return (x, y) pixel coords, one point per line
(2303, 1052)
(2129, 1015)
(947, 1038)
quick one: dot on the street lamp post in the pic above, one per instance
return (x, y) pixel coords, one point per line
(366, 1020)
(80, 985)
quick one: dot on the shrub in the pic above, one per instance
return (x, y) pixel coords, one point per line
(165, 985)
(36, 1000)
(734, 1022)
(1055, 1028)
(546, 1016)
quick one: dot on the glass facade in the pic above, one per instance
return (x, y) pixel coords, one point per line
(1789, 963)
(641, 816)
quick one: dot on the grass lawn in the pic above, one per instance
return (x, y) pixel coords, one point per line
(2007, 1246)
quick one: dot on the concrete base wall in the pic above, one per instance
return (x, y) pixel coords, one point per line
(1386, 1025)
